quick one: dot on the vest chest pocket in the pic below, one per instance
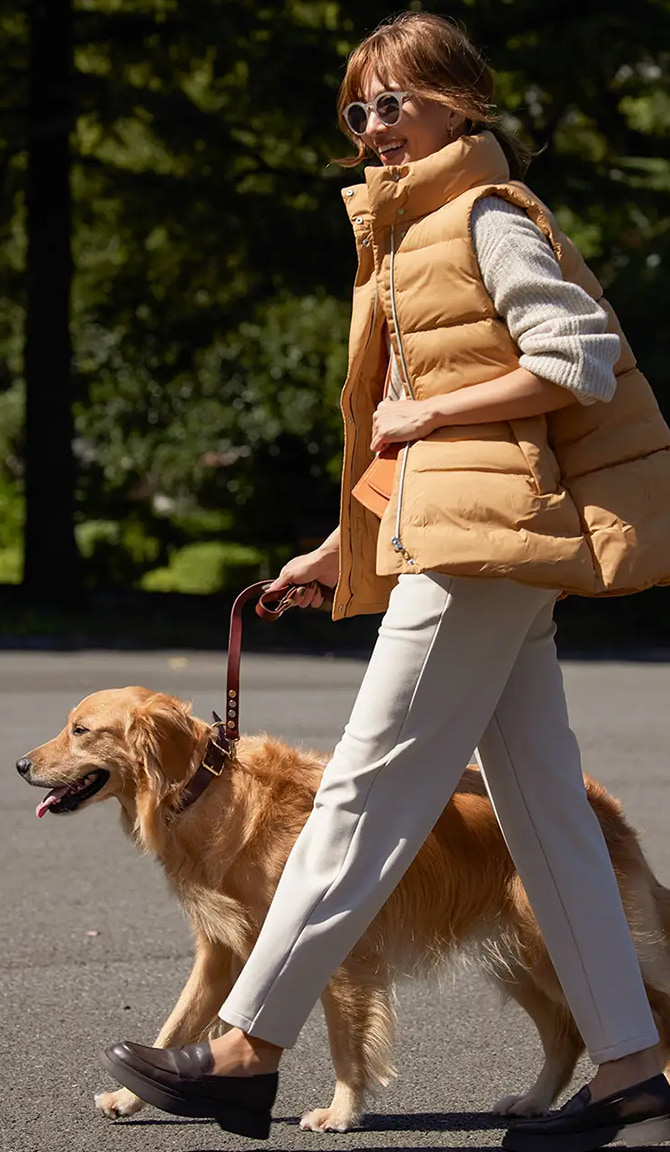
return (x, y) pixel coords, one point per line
(531, 437)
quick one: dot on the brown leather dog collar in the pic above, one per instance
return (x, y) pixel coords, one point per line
(221, 747)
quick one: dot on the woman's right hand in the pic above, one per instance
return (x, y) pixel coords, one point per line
(321, 565)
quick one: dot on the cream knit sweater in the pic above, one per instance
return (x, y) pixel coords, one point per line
(560, 330)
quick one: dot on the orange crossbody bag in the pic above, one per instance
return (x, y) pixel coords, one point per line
(375, 486)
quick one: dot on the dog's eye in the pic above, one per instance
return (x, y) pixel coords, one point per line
(79, 731)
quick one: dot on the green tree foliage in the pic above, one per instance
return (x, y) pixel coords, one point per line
(214, 357)
(214, 261)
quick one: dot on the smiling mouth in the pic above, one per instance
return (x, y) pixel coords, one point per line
(69, 797)
(391, 148)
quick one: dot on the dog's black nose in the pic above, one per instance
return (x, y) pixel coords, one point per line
(23, 766)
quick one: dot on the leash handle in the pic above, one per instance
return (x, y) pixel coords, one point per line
(228, 728)
(286, 598)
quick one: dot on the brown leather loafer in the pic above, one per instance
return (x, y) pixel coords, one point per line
(639, 1115)
(179, 1081)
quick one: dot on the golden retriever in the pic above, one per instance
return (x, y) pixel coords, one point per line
(224, 854)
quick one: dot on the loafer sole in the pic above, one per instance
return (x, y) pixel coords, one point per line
(638, 1134)
(240, 1121)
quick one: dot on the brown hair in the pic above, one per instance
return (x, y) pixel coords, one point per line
(433, 57)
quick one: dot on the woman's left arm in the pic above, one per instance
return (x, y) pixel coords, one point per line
(511, 397)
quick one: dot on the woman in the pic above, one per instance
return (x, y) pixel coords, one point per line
(529, 446)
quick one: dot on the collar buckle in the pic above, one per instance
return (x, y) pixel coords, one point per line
(225, 749)
(214, 771)
(227, 753)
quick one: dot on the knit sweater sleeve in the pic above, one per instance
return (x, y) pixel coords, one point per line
(560, 330)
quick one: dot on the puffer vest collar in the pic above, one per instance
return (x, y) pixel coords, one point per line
(413, 190)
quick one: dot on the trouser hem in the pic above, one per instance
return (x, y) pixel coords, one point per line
(252, 1028)
(625, 1048)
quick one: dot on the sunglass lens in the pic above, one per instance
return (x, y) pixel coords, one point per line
(388, 108)
(357, 117)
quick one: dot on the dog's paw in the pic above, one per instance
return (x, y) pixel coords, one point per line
(116, 1104)
(527, 1105)
(328, 1120)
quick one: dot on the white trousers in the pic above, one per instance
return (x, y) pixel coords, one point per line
(458, 663)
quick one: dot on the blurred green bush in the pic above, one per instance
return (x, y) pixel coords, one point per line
(212, 566)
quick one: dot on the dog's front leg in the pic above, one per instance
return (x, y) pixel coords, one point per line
(214, 971)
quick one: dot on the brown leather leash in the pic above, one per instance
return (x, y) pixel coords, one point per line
(221, 746)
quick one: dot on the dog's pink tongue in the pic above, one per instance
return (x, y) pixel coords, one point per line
(51, 798)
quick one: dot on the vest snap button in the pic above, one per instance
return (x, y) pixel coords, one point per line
(358, 220)
(365, 242)
(349, 192)
(401, 211)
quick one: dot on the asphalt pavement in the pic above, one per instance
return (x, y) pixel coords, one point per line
(94, 950)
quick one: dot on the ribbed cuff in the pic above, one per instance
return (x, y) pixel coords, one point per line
(549, 368)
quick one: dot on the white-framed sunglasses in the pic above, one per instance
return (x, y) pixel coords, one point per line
(387, 108)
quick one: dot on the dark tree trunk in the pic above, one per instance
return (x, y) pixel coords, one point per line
(52, 568)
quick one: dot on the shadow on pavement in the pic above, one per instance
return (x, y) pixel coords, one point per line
(160, 1121)
(378, 1122)
(432, 1122)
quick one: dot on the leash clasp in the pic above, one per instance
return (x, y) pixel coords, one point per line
(226, 747)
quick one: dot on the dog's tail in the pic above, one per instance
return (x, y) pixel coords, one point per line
(647, 904)
(662, 904)
(646, 900)
(657, 974)
(651, 933)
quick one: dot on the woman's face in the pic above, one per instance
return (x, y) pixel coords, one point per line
(424, 126)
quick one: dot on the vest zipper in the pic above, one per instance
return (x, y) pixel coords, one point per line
(396, 540)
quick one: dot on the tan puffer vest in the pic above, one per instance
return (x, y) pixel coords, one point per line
(578, 500)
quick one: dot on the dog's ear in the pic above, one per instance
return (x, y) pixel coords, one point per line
(162, 736)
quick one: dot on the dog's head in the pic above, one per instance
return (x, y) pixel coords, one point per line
(121, 742)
